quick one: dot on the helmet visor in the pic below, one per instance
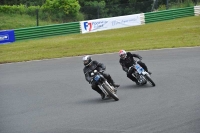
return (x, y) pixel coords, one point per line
(123, 56)
(85, 62)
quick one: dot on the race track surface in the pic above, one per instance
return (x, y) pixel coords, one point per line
(52, 96)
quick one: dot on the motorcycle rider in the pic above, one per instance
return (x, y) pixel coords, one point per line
(90, 66)
(127, 60)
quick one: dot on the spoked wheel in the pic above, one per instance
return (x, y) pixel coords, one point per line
(111, 94)
(150, 80)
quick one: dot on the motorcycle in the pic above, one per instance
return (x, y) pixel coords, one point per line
(141, 75)
(103, 84)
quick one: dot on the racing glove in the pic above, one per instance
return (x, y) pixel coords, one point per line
(130, 70)
(139, 57)
(101, 70)
(90, 82)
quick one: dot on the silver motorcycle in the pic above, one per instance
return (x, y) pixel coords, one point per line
(141, 75)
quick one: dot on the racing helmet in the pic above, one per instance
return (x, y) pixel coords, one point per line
(122, 54)
(87, 60)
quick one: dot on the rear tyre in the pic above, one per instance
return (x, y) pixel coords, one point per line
(112, 94)
(150, 80)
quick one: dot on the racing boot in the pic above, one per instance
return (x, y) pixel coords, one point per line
(102, 95)
(116, 85)
(98, 90)
(113, 83)
(137, 83)
(115, 90)
(134, 80)
(149, 72)
(110, 80)
(145, 68)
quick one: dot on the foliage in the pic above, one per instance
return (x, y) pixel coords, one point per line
(18, 9)
(186, 3)
(62, 9)
(103, 9)
(68, 7)
(53, 10)
(92, 10)
(20, 21)
(161, 7)
(23, 2)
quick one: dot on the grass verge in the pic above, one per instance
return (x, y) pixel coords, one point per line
(183, 32)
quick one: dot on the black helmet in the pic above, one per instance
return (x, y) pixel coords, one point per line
(87, 60)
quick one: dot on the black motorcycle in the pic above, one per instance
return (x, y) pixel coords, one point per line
(104, 85)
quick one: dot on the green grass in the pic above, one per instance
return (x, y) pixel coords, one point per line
(15, 21)
(183, 32)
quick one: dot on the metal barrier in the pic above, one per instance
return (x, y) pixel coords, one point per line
(197, 10)
(168, 14)
(75, 27)
(45, 31)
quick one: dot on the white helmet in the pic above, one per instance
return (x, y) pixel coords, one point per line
(87, 60)
(122, 54)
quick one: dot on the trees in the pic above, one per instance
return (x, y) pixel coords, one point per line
(93, 9)
(64, 10)
(77, 10)
(23, 2)
(50, 10)
(68, 7)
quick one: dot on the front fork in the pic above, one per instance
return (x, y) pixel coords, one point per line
(141, 78)
(104, 91)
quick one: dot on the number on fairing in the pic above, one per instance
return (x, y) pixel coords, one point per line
(97, 77)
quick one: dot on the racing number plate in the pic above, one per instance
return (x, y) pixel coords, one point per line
(139, 68)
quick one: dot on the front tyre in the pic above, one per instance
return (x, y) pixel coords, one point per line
(150, 80)
(112, 94)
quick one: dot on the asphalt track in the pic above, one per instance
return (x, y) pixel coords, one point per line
(52, 96)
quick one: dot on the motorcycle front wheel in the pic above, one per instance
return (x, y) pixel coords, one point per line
(150, 80)
(112, 94)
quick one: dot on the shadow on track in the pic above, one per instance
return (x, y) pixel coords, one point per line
(95, 101)
(134, 86)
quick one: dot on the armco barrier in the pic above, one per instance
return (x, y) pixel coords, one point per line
(168, 14)
(45, 31)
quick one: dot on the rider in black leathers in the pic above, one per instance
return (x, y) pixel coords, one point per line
(127, 60)
(90, 66)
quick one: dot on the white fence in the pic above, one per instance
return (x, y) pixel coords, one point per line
(197, 10)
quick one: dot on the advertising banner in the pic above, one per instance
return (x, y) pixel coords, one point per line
(7, 36)
(110, 23)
